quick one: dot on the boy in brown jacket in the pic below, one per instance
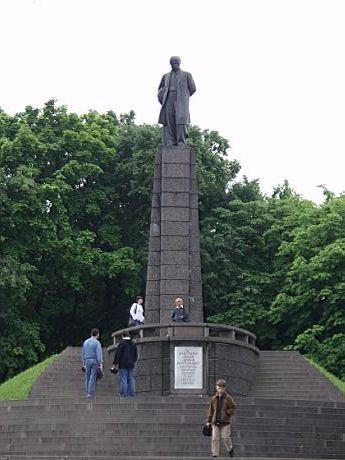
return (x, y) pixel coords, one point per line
(222, 407)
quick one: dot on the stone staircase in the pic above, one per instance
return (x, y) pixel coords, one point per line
(287, 375)
(292, 412)
(65, 379)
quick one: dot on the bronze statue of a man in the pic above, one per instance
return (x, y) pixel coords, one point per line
(173, 93)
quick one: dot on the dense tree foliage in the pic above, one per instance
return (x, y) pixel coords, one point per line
(75, 196)
(312, 296)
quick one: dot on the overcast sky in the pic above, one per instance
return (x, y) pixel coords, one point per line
(270, 74)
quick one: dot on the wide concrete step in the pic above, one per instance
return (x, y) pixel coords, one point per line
(187, 451)
(191, 449)
(111, 443)
(128, 457)
(279, 389)
(285, 379)
(296, 394)
(188, 417)
(287, 385)
(265, 370)
(177, 402)
(108, 435)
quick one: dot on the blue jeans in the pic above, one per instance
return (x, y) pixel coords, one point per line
(127, 382)
(90, 376)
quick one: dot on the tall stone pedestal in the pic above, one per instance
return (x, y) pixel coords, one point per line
(183, 358)
(174, 250)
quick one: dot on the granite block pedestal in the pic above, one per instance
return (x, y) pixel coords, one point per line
(174, 252)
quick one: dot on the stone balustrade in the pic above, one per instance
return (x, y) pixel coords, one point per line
(214, 332)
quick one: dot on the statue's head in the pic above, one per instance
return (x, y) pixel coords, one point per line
(175, 62)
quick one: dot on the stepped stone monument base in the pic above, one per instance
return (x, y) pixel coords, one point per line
(291, 412)
(184, 357)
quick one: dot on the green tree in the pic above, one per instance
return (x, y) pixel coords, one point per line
(243, 270)
(310, 304)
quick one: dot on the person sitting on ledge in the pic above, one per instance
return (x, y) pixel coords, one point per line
(179, 314)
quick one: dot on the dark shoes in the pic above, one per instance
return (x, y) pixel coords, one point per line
(231, 453)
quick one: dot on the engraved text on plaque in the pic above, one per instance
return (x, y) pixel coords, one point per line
(188, 367)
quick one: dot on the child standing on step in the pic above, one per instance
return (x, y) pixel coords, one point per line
(222, 407)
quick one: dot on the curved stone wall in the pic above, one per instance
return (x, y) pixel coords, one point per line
(228, 353)
(235, 363)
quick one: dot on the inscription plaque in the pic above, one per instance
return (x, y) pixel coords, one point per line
(188, 368)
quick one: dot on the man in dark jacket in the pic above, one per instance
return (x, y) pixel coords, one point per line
(125, 358)
(222, 407)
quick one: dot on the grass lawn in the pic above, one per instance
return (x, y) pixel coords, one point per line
(19, 387)
(336, 382)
